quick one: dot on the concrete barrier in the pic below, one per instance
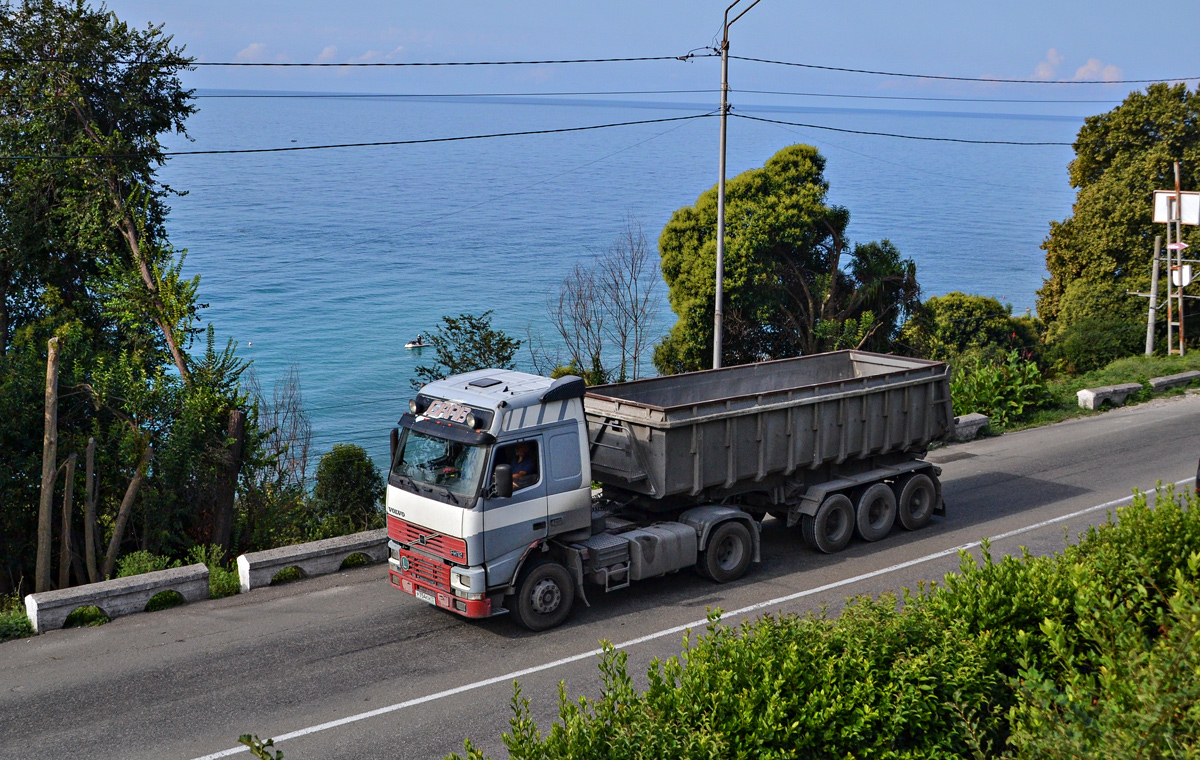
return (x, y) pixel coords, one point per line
(967, 426)
(48, 610)
(314, 558)
(1172, 381)
(1094, 398)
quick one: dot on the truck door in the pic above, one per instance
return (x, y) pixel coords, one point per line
(511, 525)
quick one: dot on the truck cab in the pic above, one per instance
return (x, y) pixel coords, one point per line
(486, 467)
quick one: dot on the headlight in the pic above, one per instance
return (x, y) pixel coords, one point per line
(458, 580)
(470, 420)
(412, 406)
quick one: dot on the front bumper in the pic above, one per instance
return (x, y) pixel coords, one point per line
(439, 597)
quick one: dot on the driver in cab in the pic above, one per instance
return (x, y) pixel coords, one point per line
(524, 469)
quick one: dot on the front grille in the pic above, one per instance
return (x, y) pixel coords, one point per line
(426, 570)
(448, 547)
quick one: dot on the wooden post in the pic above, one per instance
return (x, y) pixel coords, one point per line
(64, 556)
(89, 510)
(49, 467)
(226, 490)
(110, 559)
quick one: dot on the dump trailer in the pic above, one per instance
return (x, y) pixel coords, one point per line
(509, 492)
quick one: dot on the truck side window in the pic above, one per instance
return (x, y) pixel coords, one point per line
(523, 456)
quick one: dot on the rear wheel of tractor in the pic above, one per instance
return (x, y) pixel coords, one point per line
(917, 498)
(545, 594)
(832, 527)
(728, 553)
(876, 512)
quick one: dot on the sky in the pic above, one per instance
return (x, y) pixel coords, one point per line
(1016, 39)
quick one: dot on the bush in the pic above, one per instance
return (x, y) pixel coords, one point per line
(1093, 342)
(139, 562)
(14, 623)
(222, 580)
(1002, 391)
(949, 327)
(1030, 656)
(348, 492)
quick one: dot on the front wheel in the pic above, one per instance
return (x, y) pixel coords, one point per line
(728, 553)
(545, 594)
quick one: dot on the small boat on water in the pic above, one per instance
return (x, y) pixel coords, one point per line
(418, 343)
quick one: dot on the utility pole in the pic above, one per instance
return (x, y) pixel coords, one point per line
(49, 469)
(1179, 258)
(1153, 296)
(720, 294)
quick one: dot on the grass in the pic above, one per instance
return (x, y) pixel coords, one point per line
(1064, 405)
(83, 617)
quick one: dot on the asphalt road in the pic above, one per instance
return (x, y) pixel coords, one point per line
(399, 679)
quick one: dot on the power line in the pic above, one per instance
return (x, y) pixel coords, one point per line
(422, 141)
(398, 64)
(930, 99)
(578, 93)
(367, 95)
(892, 134)
(963, 79)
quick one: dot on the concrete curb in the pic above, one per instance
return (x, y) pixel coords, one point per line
(1172, 381)
(1094, 398)
(48, 610)
(314, 558)
(967, 426)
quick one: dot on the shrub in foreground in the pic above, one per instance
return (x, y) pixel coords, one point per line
(1091, 652)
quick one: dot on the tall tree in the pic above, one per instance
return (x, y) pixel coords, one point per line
(1105, 247)
(790, 287)
(465, 343)
(85, 99)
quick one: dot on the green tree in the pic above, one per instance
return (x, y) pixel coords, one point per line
(466, 343)
(348, 492)
(84, 255)
(951, 326)
(789, 286)
(1105, 247)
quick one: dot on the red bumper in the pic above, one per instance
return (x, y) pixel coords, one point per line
(472, 608)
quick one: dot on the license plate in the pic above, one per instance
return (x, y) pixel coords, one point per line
(425, 596)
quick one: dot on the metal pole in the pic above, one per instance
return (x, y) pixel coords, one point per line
(1153, 297)
(717, 310)
(718, 304)
(1179, 258)
(1170, 300)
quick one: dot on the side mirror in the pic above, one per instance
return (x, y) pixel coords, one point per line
(395, 445)
(502, 480)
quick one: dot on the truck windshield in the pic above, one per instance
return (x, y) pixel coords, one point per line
(433, 461)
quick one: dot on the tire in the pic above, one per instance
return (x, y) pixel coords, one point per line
(544, 595)
(918, 496)
(728, 554)
(875, 513)
(832, 527)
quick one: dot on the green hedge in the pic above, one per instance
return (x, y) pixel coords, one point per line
(1089, 653)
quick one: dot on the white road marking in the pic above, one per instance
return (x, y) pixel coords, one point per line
(509, 677)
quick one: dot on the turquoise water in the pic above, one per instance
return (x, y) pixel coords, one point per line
(332, 260)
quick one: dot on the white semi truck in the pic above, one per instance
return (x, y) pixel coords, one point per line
(509, 492)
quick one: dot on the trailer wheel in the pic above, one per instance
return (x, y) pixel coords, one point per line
(545, 594)
(728, 553)
(917, 498)
(832, 527)
(876, 512)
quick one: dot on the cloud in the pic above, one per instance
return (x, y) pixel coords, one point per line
(396, 53)
(1097, 69)
(1049, 67)
(252, 52)
(328, 54)
(368, 57)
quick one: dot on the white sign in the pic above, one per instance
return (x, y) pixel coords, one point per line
(1165, 211)
(1187, 276)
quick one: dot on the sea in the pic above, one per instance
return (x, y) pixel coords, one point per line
(330, 260)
